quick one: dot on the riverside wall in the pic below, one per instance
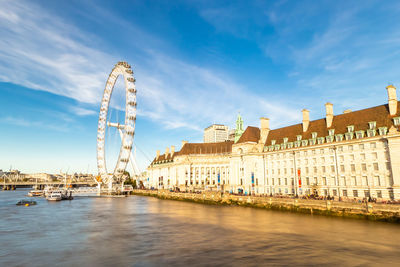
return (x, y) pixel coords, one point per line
(368, 211)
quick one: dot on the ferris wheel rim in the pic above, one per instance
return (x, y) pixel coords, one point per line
(120, 69)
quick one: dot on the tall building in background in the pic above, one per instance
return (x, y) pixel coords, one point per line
(216, 133)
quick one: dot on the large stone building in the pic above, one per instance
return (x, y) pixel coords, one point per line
(351, 155)
(216, 133)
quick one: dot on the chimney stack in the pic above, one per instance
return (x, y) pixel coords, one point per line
(392, 99)
(183, 143)
(329, 114)
(172, 150)
(166, 151)
(264, 130)
(158, 154)
(306, 119)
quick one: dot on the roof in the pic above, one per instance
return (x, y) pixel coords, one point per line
(251, 134)
(198, 148)
(359, 119)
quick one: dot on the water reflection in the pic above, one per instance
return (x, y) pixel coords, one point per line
(150, 232)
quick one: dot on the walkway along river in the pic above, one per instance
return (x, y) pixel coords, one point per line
(145, 231)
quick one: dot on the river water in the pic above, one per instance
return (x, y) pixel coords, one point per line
(144, 231)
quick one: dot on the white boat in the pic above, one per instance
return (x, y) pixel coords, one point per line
(49, 189)
(55, 195)
(35, 193)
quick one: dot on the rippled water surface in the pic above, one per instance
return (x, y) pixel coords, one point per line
(143, 231)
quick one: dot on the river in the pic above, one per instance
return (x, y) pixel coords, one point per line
(144, 231)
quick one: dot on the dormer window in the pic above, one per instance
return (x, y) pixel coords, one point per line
(314, 135)
(297, 143)
(321, 140)
(283, 146)
(348, 135)
(312, 142)
(331, 132)
(285, 140)
(371, 132)
(273, 142)
(350, 128)
(329, 139)
(339, 137)
(298, 137)
(396, 121)
(304, 142)
(290, 145)
(372, 125)
(382, 130)
(360, 134)
(277, 147)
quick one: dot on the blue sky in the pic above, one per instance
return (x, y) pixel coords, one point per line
(196, 63)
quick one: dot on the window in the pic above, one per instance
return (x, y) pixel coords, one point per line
(373, 145)
(354, 180)
(372, 125)
(355, 193)
(350, 128)
(332, 159)
(351, 157)
(375, 155)
(304, 142)
(305, 153)
(362, 156)
(350, 148)
(353, 168)
(360, 134)
(298, 137)
(345, 193)
(342, 168)
(306, 169)
(273, 142)
(348, 136)
(396, 121)
(332, 168)
(339, 137)
(331, 132)
(344, 180)
(366, 193)
(285, 140)
(321, 151)
(334, 192)
(361, 146)
(320, 140)
(371, 133)
(329, 139)
(364, 166)
(382, 130)
(376, 167)
(315, 180)
(341, 158)
(340, 149)
(314, 135)
(324, 180)
(306, 161)
(308, 181)
(323, 169)
(379, 194)
(315, 169)
(314, 161)
(377, 181)
(285, 181)
(365, 180)
(323, 160)
(313, 152)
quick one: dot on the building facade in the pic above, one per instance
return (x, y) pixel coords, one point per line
(351, 155)
(216, 133)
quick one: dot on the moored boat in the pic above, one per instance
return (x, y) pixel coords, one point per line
(55, 195)
(35, 193)
(26, 202)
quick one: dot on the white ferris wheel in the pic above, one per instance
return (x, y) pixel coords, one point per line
(126, 130)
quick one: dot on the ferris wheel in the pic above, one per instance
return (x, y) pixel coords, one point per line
(126, 130)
